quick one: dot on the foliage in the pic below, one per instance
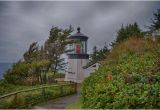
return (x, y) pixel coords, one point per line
(32, 53)
(59, 75)
(99, 55)
(55, 46)
(17, 73)
(26, 73)
(131, 30)
(94, 55)
(155, 21)
(6, 87)
(30, 98)
(129, 78)
(37, 61)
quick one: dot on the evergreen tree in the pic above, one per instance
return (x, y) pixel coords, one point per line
(55, 46)
(99, 55)
(37, 61)
(131, 30)
(31, 53)
(94, 55)
(155, 21)
(103, 52)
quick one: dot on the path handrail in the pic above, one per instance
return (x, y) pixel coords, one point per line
(20, 91)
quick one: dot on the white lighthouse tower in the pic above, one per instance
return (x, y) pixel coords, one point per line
(78, 58)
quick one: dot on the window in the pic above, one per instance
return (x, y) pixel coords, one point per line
(83, 46)
(71, 48)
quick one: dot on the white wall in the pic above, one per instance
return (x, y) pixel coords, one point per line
(75, 71)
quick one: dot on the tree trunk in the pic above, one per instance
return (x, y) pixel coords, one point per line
(55, 69)
(40, 75)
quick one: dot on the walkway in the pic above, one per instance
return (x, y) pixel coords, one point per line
(60, 103)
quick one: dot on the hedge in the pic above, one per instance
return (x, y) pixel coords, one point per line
(129, 78)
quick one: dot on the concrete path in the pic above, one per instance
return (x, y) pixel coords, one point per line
(60, 103)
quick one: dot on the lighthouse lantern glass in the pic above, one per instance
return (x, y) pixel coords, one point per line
(83, 47)
(78, 48)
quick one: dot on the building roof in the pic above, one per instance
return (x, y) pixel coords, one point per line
(90, 64)
(79, 35)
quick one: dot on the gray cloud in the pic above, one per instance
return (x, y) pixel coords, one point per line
(21, 23)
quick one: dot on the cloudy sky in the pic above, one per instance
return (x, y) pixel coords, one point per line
(22, 23)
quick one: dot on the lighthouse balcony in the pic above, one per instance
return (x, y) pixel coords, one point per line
(78, 56)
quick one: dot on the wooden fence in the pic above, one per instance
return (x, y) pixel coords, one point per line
(30, 97)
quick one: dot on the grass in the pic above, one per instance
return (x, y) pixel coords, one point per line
(56, 75)
(8, 88)
(75, 105)
(30, 98)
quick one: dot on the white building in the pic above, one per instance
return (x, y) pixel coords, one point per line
(90, 68)
(77, 58)
(156, 34)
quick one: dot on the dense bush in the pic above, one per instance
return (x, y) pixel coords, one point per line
(129, 78)
(17, 74)
(26, 73)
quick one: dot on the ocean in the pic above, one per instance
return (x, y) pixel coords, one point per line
(3, 68)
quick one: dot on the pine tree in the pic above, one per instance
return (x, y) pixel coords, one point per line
(31, 53)
(55, 46)
(155, 21)
(99, 55)
(94, 55)
(131, 30)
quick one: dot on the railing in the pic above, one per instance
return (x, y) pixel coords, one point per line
(30, 97)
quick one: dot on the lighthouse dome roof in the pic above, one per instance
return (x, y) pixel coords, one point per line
(78, 35)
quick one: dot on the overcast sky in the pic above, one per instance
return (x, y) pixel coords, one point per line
(22, 23)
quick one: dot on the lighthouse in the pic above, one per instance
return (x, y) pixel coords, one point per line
(77, 58)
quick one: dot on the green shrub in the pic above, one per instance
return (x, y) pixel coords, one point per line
(23, 73)
(13, 102)
(129, 78)
(30, 98)
(17, 74)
